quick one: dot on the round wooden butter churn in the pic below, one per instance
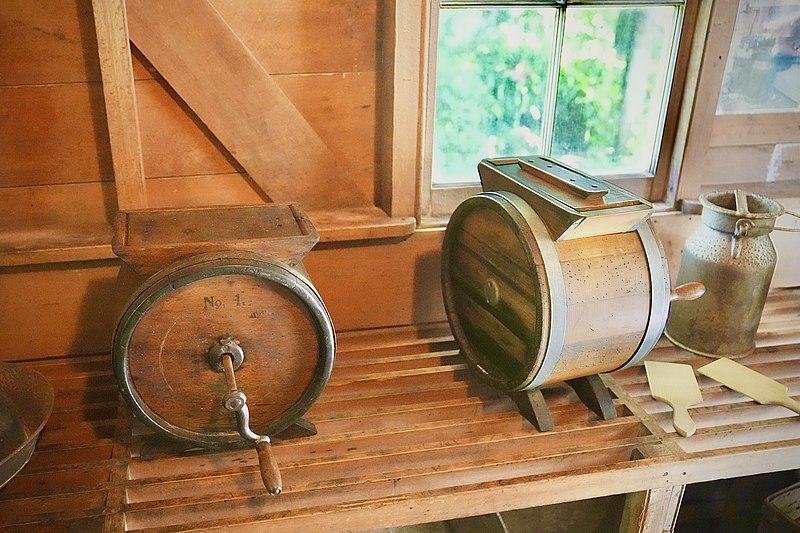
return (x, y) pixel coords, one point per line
(270, 310)
(551, 275)
(229, 346)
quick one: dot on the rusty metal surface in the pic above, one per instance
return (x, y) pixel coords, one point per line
(26, 401)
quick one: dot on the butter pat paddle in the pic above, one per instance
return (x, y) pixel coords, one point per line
(675, 385)
(750, 383)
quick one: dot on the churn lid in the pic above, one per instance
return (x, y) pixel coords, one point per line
(571, 203)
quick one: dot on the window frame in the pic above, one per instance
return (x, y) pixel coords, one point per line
(434, 205)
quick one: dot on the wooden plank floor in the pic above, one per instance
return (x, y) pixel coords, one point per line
(406, 434)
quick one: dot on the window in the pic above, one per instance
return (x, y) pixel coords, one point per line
(588, 83)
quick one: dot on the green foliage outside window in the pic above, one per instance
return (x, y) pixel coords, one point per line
(492, 76)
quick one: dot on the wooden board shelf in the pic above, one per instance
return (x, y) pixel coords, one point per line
(60, 241)
(407, 434)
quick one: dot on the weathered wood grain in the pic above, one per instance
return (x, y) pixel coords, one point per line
(47, 43)
(285, 36)
(218, 77)
(53, 134)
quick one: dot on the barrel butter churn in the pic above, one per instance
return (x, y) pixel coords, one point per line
(552, 275)
(227, 343)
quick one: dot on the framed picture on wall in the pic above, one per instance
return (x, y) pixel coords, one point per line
(762, 74)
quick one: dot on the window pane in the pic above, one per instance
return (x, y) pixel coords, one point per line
(611, 88)
(491, 81)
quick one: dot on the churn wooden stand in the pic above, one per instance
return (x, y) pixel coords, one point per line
(227, 342)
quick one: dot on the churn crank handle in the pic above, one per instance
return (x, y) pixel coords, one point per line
(226, 356)
(270, 473)
(236, 402)
(687, 291)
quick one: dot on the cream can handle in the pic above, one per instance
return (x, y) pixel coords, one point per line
(782, 228)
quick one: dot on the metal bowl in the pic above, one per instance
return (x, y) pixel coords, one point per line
(26, 401)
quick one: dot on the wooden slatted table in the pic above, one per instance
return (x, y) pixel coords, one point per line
(406, 435)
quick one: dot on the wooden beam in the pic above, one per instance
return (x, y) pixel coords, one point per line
(114, 52)
(218, 77)
(399, 105)
(693, 168)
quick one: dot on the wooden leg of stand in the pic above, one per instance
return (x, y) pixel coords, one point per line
(299, 428)
(533, 407)
(593, 393)
(655, 510)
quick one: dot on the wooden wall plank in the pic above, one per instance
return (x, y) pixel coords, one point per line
(114, 52)
(80, 206)
(174, 141)
(293, 42)
(752, 163)
(402, 286)
(217, 76)
(47, 42)
(736, 164)
(202, 191)
(58, 311)
(340, 107)
(301, 37)
(694, 169)
(64, 222)
(70, 309)
(748, 130)
(142, 68)
(53, 134)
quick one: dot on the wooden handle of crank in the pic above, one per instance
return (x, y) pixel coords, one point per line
(687, 291)
(270, 473)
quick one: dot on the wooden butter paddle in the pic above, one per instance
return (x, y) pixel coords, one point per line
(675, 385)
(759, 387)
